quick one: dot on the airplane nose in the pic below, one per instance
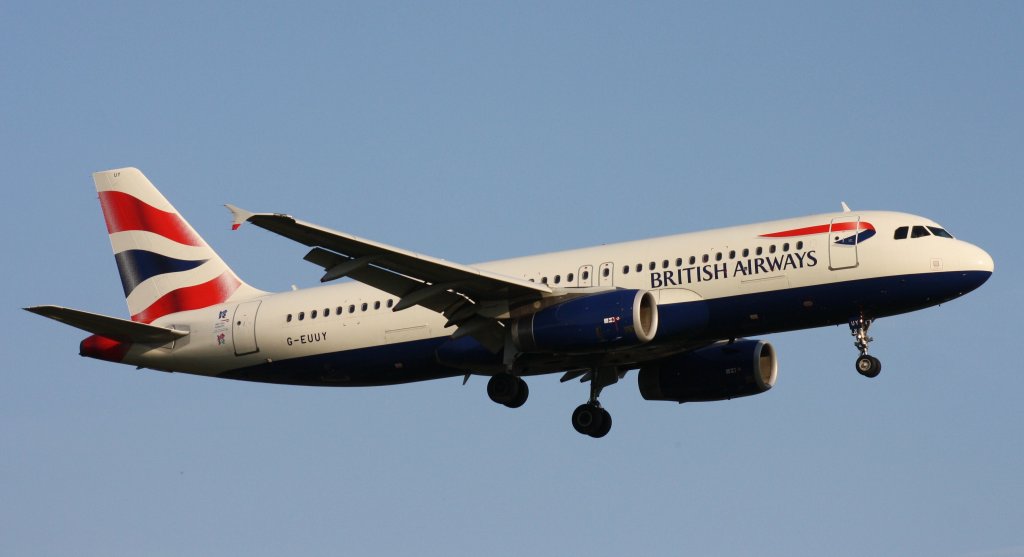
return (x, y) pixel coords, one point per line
(979, 260)
(985, 261)
(976, 267)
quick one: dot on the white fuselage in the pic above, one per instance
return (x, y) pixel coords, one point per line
(342, 325)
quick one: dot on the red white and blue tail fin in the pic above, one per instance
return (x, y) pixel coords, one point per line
(165, 266)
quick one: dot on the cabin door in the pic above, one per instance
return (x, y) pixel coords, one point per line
(243, 328)
(843, 237)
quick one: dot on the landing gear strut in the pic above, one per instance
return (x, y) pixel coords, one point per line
(507, 389)
(868, 366)
(590, 418)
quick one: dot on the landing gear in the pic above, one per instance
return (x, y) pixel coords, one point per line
(590, 418)
(868, 366)
(507, 389)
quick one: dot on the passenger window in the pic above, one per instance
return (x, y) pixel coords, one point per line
(569, 277)
(771, 248)
(392, 302)
(376, 305)
(919, 232)
(639, 267)
(302, 315)
(312, 314)
(760, 250)
(605, 272)
(327, 312)
(339, 310)
(363, 307)
(800, 245)
(746, 252)
(625, 271)
(679, 262)
(558, 279)
(732, 254)
(652, 265)
(785, 247)
(543, 280)
(901, 233)
(693, 260)
(586, 275)
(704, 258)
(718, 256)
(941, 233)
(664, 264)
(352, 308)
(288, 319)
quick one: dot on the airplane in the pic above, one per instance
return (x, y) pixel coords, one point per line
(681, 309)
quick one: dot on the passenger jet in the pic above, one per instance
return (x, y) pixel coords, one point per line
(680, 309)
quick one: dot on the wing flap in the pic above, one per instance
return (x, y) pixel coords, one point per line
(110, 327)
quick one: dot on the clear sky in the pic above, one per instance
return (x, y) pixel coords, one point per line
(474, 131)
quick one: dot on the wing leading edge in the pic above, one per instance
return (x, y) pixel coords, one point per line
(474, 300)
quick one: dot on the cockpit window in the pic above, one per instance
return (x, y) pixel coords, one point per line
(901, 233)
(919, 232)
(940, 232)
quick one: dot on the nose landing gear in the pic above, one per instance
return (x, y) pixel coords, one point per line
(868, 366)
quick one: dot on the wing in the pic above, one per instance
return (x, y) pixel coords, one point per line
(474, 300)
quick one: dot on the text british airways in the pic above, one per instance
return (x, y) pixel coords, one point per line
(727, 269)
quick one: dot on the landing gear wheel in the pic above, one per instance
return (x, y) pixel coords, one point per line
(606, 425)
(590, 419)
(869, 366)
(503, 388)
(523, 392)
(507, 389)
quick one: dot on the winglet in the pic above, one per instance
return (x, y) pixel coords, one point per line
(240, 215)
(846, 208)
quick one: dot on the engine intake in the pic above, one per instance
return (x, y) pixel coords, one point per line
(589, 323)
(718, 372)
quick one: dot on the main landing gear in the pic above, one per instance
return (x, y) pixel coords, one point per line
(868, 366)
(507, 389)
(590, 418)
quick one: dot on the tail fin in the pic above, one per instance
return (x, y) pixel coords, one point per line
(165, 266)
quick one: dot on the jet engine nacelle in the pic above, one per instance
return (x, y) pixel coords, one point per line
(718, 372)
(589, 323)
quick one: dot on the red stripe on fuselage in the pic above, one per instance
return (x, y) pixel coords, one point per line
(821, 229)
(191, 297)
(124, 212)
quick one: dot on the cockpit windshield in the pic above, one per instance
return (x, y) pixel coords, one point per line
(919, 231)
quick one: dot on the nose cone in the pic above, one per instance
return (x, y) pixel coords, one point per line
(977, 266)
(980, 260)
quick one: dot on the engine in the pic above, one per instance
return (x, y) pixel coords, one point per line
(718, 372)
(590, 323)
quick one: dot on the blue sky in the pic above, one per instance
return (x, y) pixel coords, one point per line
(474, 131)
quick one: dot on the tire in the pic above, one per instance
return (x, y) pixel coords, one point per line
(503, 388)
(522, 393)
(606, 425)
(869, 366)
(588, 418)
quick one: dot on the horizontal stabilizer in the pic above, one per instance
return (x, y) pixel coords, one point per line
(110, 327)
